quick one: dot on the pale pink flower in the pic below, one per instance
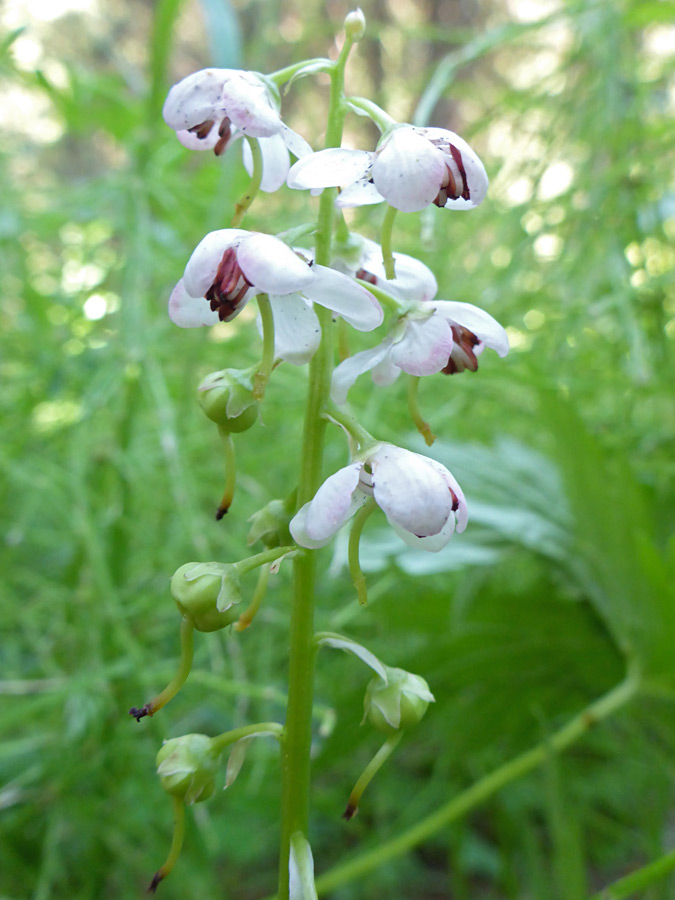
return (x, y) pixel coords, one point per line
(231, 266)
(420, 498)
(439, 336)
(211, 108)
(410, 169)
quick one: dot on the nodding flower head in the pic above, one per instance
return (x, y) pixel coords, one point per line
(410, 169)
(211, 108)
(422, 501)
(231, 266)
(439, 336)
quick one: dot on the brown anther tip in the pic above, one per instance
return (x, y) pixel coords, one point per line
(350, 812)
(139, 714)
(156, 878)
(221, 511)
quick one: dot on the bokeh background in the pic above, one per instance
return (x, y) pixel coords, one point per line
(110, 473)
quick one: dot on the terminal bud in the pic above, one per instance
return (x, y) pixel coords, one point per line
(187, 767)
(355, 24)
(207, 593)
(398, 702)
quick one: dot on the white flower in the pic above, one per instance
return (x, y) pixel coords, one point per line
(211, 108)
(441, 336)
(414, 280)
(230, 266)
(420, 498)
(411, 168)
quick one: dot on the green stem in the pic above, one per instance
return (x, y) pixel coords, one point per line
(639, 880)
(251, 610)
(178, 680)
(413, 408)
(242, 206)
(483, 789)
(236, 734)
(298, 733)
(262, 376)
(360, 436)
(260, 559)
(230, 473)
(385, 242)
(358, 578)
(176, 844)
(283, 75)
(382, 119)
(369, 773)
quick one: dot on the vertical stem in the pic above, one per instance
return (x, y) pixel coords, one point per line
(298, 731)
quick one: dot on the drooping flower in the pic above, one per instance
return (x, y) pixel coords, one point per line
(413, 281)
(410, 169)
(211, 108)
(420, 498)
(230, 266)
(439, 336)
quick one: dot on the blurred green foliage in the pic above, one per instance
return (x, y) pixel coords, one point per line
(111, 474)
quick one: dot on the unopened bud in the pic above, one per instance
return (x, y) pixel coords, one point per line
(399, 702)
(227, 399)
(270, 525)
(355, 24)
(207, 593)
(187, 767)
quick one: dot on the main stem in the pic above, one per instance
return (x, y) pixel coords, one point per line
(298, 731)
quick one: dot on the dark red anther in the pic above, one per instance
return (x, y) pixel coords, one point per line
(364, 275)
(457, 156)
(455, 500)
(224, 135)
(229, 286)
(462, 356)
(203, 130)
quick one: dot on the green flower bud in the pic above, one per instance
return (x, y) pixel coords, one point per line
(187, 767)
(355, 24)
(270, 525)
(227, 399)
(207, 593)
(399, 702)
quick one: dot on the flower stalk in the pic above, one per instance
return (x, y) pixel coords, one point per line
(298, 735)
(369, 773)
(243, 205)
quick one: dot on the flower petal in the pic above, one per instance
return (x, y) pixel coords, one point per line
(187, 311)
(474, 170)
(425, 347)
(191, 141)
(297, 333)
(461, 514)
(481, 323)
(195, 99)
(411, 493)
(295, 143)
(247, 102)
(334, 503)
(271, 265)
(275, 162)
(433, 542)
(203, 264)
(348, 371)
(360, 193)
(414, 280)
(408, 170)
(329, 168)
(354, 303)
(385, 372)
